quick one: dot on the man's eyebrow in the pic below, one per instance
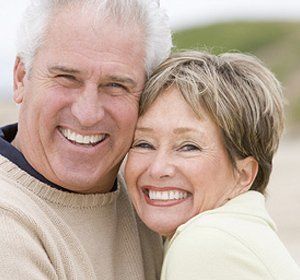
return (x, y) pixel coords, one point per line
(113, 78)
(64, 69)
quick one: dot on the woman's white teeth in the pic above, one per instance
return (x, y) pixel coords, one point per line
(82, 139)
(167, 195)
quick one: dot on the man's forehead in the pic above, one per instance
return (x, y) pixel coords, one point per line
(106, 50)
(92, 21)
(107, 43)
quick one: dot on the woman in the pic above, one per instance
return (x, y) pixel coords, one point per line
(200, 163)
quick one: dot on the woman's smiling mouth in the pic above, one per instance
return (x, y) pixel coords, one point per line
(167, 196)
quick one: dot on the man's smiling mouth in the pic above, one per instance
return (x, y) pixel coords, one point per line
(80, 139)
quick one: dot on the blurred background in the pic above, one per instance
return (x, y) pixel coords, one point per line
(269, 29)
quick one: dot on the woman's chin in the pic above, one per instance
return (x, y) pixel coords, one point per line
(165, 220)
(164, 226)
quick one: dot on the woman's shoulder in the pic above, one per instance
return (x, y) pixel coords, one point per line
(208, 241)
(210, 253)
(229, 245)
(243, 220)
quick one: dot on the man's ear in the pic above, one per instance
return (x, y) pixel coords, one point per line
(247, 169)
(19, 76)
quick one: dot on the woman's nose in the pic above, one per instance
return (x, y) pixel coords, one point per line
(162, 166)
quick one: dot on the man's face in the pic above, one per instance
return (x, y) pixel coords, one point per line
(79, 102)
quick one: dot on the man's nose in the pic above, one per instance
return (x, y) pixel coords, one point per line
(162, 166)
(88, 107)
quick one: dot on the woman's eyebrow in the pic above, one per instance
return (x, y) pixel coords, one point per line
(181, 130)
(178, 130)
(144, 129)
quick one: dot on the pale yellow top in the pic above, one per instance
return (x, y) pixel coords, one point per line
(50, 234)
(234, 242)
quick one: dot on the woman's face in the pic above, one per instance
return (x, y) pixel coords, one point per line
(178, 166)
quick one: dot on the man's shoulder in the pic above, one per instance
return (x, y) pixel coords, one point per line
(15, 202)
(15, 198)
(33, 236)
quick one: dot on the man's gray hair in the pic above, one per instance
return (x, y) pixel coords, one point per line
(147, 14)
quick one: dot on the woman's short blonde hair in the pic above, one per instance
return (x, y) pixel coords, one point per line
(238, 93)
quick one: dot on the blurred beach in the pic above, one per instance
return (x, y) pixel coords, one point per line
(283, 195)
(8, 111)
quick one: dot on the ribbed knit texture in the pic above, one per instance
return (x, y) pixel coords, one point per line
(50, 234)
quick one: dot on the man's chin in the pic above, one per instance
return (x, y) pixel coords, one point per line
(83, 180)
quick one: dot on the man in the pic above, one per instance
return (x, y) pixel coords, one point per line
(80, 69)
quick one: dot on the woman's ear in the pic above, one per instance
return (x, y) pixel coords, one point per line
(19, 75)
(247, 169)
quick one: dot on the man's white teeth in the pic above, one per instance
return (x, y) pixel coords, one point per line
(167, 195)
(82, 139)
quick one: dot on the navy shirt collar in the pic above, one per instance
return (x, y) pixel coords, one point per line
(7, 135)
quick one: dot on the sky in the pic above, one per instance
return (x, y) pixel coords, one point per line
(182, 14)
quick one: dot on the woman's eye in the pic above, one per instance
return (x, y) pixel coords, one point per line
(143, 145)
(189, 147)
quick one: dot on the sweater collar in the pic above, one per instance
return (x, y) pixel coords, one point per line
(14, 177)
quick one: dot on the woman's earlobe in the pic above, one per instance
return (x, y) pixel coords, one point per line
(247, 171)
(19, 75)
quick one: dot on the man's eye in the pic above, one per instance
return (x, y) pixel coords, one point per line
(113, 89)
(67, 77)
(116, 85)
(67, 81)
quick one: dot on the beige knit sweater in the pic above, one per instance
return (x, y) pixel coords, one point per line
(50, 234)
